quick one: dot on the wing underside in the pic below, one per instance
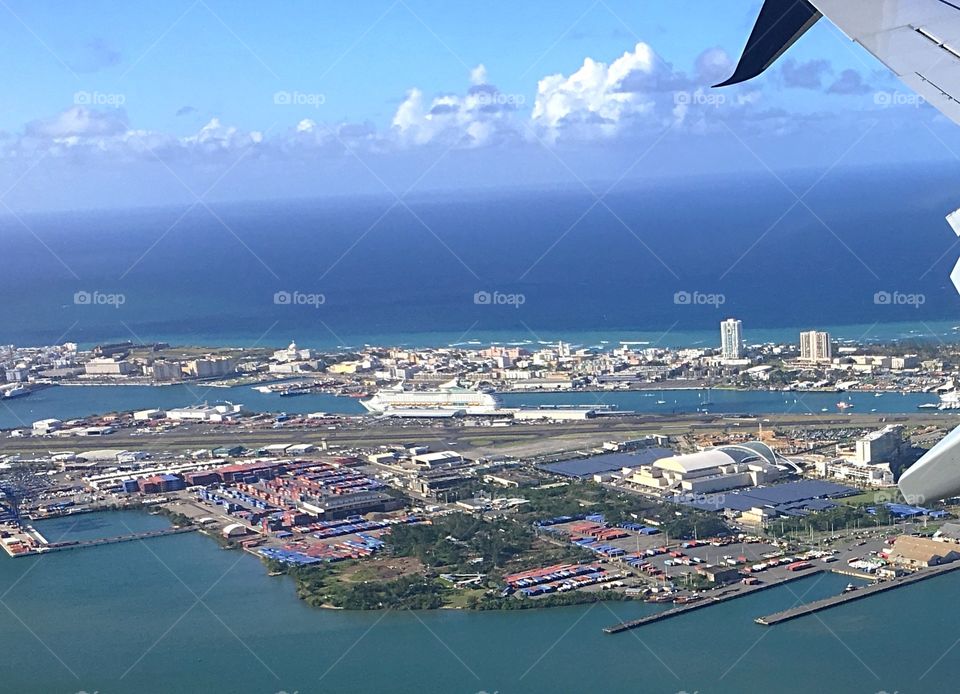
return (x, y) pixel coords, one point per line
(917, 40)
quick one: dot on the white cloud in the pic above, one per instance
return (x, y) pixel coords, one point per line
(78, 121)
(478, 75)
(594, 95)
(636, 93)
(482, 116)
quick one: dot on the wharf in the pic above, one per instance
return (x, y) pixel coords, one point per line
(843, 598)
(83, 544)
(733, 594)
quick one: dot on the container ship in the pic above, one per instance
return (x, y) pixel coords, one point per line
(447, 397)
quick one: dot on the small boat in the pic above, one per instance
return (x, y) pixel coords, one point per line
(844, 405)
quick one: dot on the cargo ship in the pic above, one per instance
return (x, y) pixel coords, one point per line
(448, 396)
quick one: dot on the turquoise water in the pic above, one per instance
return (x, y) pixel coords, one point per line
(125, 618)
(66, 402)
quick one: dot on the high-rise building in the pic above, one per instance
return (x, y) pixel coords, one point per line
(815, 346)
(731, 339)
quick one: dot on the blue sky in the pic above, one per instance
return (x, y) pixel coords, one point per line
(113, 105)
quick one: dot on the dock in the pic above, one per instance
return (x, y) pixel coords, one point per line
(843, 598)
(83, 544)
(733, 594)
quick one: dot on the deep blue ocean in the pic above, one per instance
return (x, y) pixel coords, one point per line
(552, 263)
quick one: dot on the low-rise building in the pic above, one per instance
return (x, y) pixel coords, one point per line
(921, 552)
(105, 366)
(46, 426)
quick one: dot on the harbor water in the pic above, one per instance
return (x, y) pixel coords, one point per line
(67, 402)
(126, 618)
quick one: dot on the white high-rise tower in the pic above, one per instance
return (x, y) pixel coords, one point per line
(731, 339)
(815, 346)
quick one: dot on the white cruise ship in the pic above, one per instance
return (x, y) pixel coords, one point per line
(447, 397)
(949, 401)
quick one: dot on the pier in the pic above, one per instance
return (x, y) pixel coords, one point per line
(732, 594)
(83, 544)
(843, 598)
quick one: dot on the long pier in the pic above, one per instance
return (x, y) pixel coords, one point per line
(83, 544)
(843, 598)
(733, 594)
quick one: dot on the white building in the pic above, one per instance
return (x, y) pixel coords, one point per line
(713, 470)
(439, 459)
(879, 446)
(870, 464)
(876, 475)
(731, 339)
(205, 413)
(46, 426)
(109, 367)
(815, 347)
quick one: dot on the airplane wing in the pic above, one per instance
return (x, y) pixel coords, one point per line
(919, 42)
(780, 24)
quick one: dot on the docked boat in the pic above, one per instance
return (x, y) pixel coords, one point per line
(949, 401)
(13, 390)
(449, 396)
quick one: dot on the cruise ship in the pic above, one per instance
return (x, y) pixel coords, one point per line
(449, 397)
(949, 401)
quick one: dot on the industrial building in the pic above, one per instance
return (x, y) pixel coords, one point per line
(44, 427)
(920, 552)
(439, 459)
(110, 367)
(159, 484)
(717, 469)
(206, 413)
